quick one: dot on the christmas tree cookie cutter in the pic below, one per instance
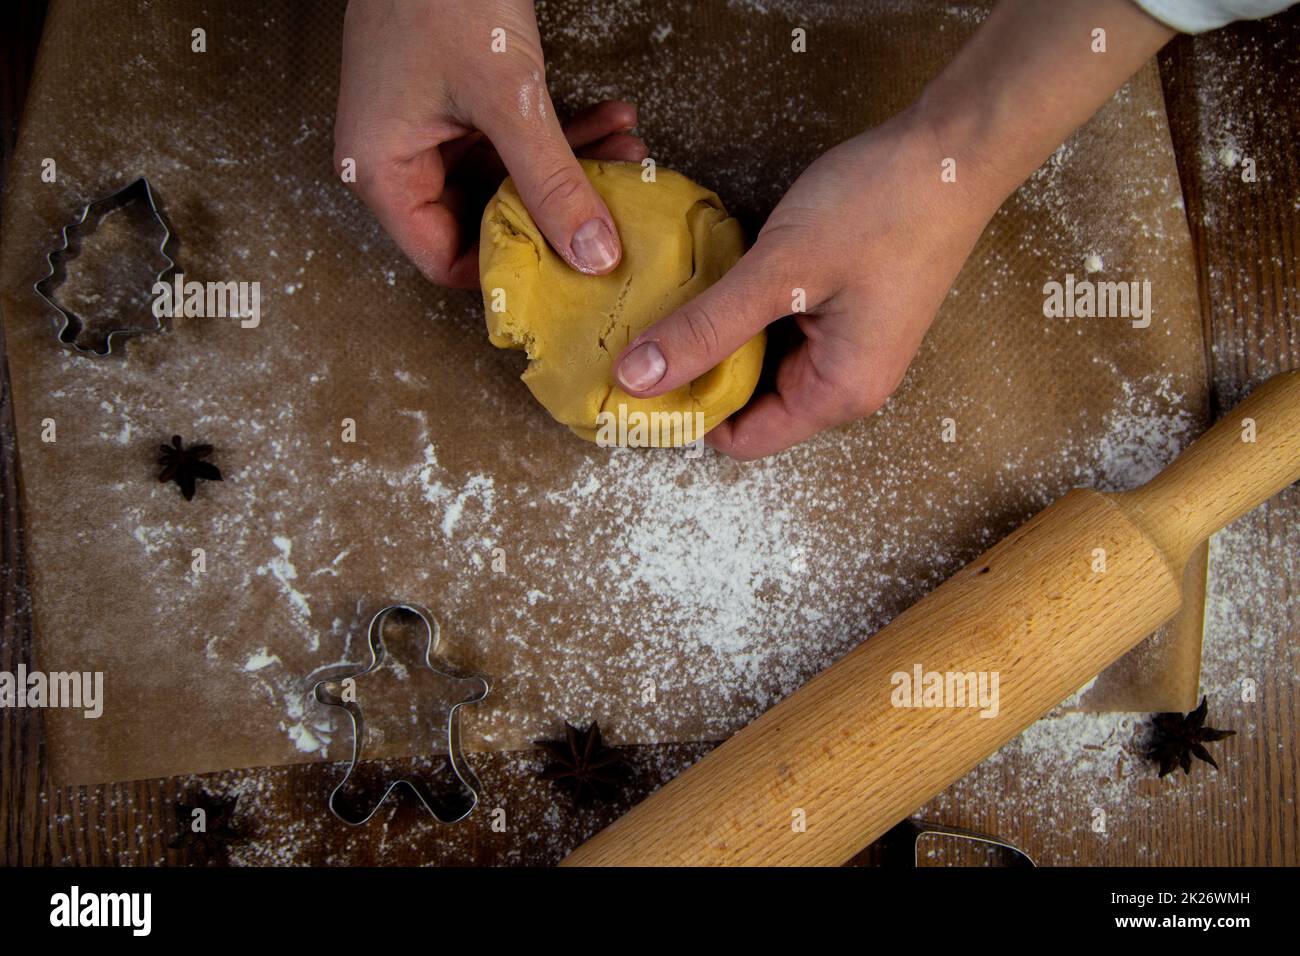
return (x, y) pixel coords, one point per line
(73, 325)
(353, 800)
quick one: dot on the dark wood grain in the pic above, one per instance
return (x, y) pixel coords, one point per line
(23, 821)
(1239, 88)
(1240, 81)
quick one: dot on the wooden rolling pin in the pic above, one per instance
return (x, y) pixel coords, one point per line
(836, 764)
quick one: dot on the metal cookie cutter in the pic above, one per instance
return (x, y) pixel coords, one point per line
(71, 234)
(902, 844)
(351, 798)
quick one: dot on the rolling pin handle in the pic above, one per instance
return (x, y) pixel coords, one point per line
(1248, 456)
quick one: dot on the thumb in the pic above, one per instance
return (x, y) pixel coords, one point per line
(555, 190)
(684, 345)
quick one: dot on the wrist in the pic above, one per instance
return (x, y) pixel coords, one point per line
(962, 131)
(1032, 73)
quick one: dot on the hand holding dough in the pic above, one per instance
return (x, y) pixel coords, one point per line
(677, 241)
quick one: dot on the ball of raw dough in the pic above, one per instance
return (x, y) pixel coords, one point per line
(677, 241)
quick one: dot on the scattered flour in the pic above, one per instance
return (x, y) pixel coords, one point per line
(723, 560)
(282, 569)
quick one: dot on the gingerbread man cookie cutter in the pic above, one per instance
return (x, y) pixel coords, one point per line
(337, 692)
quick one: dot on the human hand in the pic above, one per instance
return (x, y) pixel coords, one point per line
(434, 120)
(874, 239)
(873, 234)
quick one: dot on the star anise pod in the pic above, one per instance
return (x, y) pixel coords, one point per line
(211, 842)
(186, 465)
(1177, 739)
(584, 766)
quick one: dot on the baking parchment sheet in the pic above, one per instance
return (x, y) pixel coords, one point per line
(670, 598)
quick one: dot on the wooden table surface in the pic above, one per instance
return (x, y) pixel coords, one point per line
(1243, 81)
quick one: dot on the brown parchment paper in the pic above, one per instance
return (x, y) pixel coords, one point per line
(669, 598)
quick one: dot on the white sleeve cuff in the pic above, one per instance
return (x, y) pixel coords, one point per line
(1197, 16)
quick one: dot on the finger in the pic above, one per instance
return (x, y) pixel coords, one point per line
(598, 121)
(764, 427)
(699, 335)
(405, 200)
(621, 147)
(830, 379)
(465, 195)
(803, 404)
(467, 206)
(553, 187)
(430, 236)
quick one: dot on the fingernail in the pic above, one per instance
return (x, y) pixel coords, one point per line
(594, 246)
(642, 367)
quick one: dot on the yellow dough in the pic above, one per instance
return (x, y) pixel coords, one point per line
(677, 241)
